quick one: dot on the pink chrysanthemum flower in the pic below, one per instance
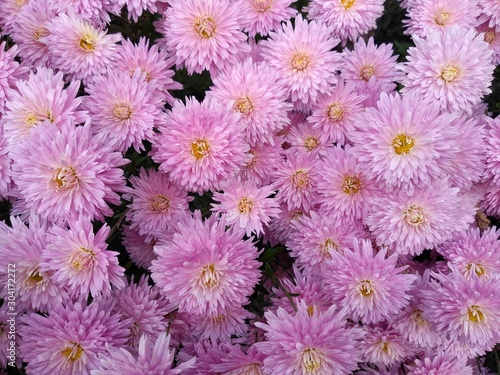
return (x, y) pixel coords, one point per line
(138, 247)
(258, 96)
(24, 247)
(9, 10)
(302, 343)
(304, 139)
(263, 16)
(63, 173)
(342, 191)
(207, 149)
(222, 325)
(385, 346)
(204, 34)
(41, 98)
(264, 160)
(30, 26)
(442, 364)
(237, 362)
(411, 323)
(156, 203)
(302, 55)
(492, 37)
(440, 15)
(80, 261)
(69, 340)
(369, 285)
(491, 11)
(135, 8)
(144, 307)
(368, 61)
(151, 61)
(124, 109)
(492, 141)
(296, 180)
(334, 114)
(453, 67)
(94, 11)
(153, 357)
(349, 19)
(78, 49)
(206, 269)
(422, 220)
(10, 73)
(490, 203)
(246, 206)
(464, 310)
(404, 142)
(314, 238)
(473, 252)
(305, 289)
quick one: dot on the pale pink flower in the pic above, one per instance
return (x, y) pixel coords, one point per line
(264, 16)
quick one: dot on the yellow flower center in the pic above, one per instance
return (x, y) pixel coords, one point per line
(402, 144)
(34, 277)
(209, 277)
(442, 18)
(351, 185)
(160, 203)
(327, 246)
(418, 318)
(474, 314)
(310, 311)
(200, 148)
(489, 36)
(365, 288)
(449, 73)
(477, 268)
(252, 161)
(74, 352)
(122, 112)
(335, 112)
(311, 143)
(301, 180)
(218, 318)
(262, 6)
(366, 73)
(245, 206)
(87, 43)
(311, 361)
(20, 3)
(65, 178)
(347, 4)
(205, 26)
(40, 33)
(244, 105)
(83, 259)
(31, 120)
(414, 215)
(300, 61)
(384, 347)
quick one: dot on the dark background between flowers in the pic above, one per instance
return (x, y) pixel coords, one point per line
(389, 30)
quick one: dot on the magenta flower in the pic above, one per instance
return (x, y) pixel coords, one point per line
(369, 285)
(258, 96)
(222, 325)
(264, 160)
(442, 364)
(154, 357)
(156, 64)
(453, 68)
(207, 149)
(203, 34)
(69, 339)
(79, 260)
(41, 98)
(156, 204)
(422, 220)
(304, 139)
(63, 173)
(205, 269)
(245, 206)
(349, 19)
(334, 114)
(78, 49)
(302, 56)
(138, 247)
(238, 362)
(304, 343)
(264, 16)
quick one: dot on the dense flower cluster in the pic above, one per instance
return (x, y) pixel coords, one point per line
(249, 187)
